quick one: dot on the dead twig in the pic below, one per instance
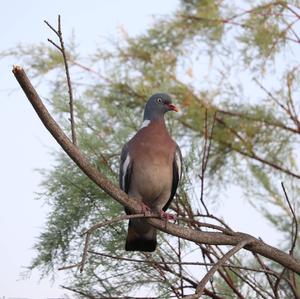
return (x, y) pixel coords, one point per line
(61, 48)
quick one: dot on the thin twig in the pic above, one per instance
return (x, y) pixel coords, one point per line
(54, 44)
(217, 265)
(205, 156)
(224, 273)
(196, 223)
(210, 138)
(252, 118)
(203, 163)
(272, 97)
(179, 255)
(294, 222)
(78, 292)
(215, 218)
(294, 238)
(103, 297)
(257, 289)
(263, 265)
(290, 101)
(125, 259)
(89, 232)
(118, 219)
(61, 48)
(253, 156)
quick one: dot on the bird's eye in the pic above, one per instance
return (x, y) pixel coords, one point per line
(159, 100)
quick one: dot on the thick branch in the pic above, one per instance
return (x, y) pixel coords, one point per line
(213, 238)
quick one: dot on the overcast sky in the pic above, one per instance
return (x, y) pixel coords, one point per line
(26, 145)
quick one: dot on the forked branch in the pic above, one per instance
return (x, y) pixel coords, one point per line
(61, 48)
(199, 237)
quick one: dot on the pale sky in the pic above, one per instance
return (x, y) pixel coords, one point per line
(26, 144)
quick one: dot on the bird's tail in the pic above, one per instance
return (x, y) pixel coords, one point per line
(141, 236)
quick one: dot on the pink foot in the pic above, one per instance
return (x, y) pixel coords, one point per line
(167, 216)
(145, 209)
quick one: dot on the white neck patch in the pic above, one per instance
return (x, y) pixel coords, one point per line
(145, 123)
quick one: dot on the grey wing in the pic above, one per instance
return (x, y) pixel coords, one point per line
(177, 172)
(125, 169)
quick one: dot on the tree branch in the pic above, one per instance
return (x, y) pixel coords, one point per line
(61, 48)
(205, 156)
(89, 232)
(199, 237)
(294, 221)
(294, 234)
(231, 266)
(216, 267)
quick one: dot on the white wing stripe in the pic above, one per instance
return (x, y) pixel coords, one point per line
(125, 166)
(178, 163)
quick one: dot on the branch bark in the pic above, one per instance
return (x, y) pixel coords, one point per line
(213, 238)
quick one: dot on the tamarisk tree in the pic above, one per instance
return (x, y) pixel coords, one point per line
(239, 126)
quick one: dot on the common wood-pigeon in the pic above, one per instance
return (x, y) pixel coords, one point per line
(150, 171)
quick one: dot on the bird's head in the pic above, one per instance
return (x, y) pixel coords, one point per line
(157, 105)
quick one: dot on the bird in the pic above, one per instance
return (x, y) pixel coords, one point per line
(150, 171)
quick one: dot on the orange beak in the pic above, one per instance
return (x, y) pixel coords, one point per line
(173, 107)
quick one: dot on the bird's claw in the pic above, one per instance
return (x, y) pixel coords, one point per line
(145, 209)
(167, 216)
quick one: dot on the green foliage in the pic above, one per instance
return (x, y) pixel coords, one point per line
(265, 30)
(46, 58)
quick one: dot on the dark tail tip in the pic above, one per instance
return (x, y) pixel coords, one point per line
(140, 244)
